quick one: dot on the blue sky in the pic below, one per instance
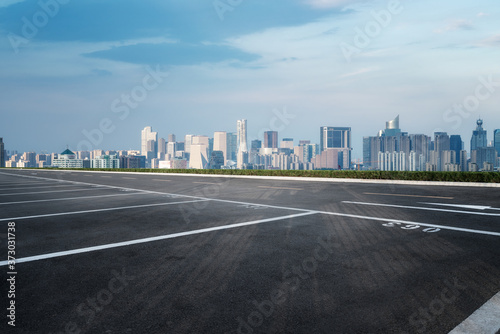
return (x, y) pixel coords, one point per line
(66, 65)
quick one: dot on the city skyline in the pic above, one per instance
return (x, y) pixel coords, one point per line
(316, 61)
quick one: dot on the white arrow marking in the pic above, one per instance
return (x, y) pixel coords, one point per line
(473, 207)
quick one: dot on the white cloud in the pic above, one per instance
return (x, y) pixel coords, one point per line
(360, 71)
(456, 25)
(490, 41)
(482, 14)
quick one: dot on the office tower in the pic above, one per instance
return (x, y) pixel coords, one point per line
(441, 144)
(216, 160)
(270, 139)
(241, 132)
(287, 143)
(496, 140)
(334, 137)
(187, 143)
(199, 152)
(2, 153)
(456, 145)
(146, 135)
(420, 145)
(162, 146)
(232, 146)
(479, 137)
(171, 150)
(392, 127)
(220, 143)
(171, 138)
(463, 161)
(256, 144)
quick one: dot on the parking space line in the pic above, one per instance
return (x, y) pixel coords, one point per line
(158, 238)
(403, 195)
(37, 187)
(46, 192)
(284, 188)
(71, 198)
(483, 320)
(290, 208)
(442, 227)
(98, 210)
(424, 208)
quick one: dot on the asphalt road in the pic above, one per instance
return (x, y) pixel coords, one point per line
(133, 253)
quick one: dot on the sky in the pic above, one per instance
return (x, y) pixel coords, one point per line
(91, 74)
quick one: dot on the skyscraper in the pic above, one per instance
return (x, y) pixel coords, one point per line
(334, 137)
(2, 153)
(241, 132)
(242, 155)
(496, 140)
(146, 135)
(220, 144)
(456, 145)
(479, 137)
(271, 139)
(392, 127)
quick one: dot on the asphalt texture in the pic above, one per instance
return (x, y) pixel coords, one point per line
(191, 254)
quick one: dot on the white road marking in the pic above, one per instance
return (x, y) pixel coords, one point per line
(37, 187)
(463, 206)
(485, 320)
(162, 180)
(71, 198)
(151, 239)
(281, 188)
(97, 210)
(205, 182)
(129, 178)
(290, 208)
(404, 195)
(443, 227)
(46, 192)
(423, 208)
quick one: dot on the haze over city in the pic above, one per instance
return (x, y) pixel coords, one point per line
(357, 64)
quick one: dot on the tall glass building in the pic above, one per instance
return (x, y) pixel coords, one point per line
(334, 137)
(479, 137)
(496, 141)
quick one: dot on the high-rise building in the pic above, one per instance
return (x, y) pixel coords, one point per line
(456, 145)
(496, 140)
(162, 145)
(479, 137)
(188, 139)
(241, 132)
(171, 138)
(147, 134)
(270, 139)
(334, 137)
(242, 154)
(392, 128)
(287, 143)
(220, 143)
(2, 153)
(232, 146)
